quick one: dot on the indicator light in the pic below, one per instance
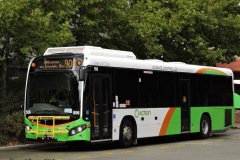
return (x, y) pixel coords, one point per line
(33, 65)
(79, 62)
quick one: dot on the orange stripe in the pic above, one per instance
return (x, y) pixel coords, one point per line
(202, 70)
(51, 126)
(166, 121)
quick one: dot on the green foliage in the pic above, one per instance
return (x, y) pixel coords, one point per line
(198, 32)
(105, 23)
(14, 95)
(202, 32)
(4, 139)
(12, 102)
(29, 27)
(12, 128)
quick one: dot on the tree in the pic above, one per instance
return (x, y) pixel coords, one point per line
(28, 27)
(105, 23)
(198, 32)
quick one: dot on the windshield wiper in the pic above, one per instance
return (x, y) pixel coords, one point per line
(48, 112)
(69, 114)
(53, 112)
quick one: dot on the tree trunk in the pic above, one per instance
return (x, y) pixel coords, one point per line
(3, 78)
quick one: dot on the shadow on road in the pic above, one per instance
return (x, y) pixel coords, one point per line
(80, 147)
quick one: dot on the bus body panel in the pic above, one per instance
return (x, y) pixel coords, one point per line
(57, 132)
(218, 117)
(153, 65)
(236, 94)
(236, 101)
(174, 127)
(150, 122)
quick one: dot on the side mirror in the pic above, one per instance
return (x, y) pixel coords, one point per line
(82, 74)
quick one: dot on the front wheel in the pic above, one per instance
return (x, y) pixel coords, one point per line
(205, 127)
(126, 133)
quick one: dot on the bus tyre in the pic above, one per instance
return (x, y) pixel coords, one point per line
(205, 127)
(126, 133)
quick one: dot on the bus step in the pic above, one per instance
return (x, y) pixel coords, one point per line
(184, 132)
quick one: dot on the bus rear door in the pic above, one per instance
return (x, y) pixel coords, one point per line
(185, 105)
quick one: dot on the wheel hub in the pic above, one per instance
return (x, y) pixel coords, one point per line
(127, 133)
(205, 127)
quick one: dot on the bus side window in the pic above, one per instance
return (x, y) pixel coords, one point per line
(126, 87)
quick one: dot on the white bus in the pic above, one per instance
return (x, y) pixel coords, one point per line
(91, 94)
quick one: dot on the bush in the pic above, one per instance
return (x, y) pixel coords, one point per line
(12, 128)
(4, 139)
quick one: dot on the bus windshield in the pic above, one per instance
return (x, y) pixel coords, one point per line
(53, 94)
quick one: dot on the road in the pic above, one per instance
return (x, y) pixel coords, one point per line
(224, 145)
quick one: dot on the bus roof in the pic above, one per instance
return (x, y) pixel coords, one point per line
(97, 56)
(92, 50)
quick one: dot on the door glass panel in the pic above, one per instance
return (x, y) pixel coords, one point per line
(100, 108)
(185, 107)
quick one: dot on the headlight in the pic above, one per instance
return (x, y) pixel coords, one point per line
(73, 132)
(28, 128)
(77, 130)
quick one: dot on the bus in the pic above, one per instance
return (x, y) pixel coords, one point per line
(91, 94)
(236, 94)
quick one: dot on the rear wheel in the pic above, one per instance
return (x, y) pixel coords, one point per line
(126, 133)
(205, 127)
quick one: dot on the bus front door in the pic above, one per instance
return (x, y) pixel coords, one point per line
(185, 105)
(100, 107)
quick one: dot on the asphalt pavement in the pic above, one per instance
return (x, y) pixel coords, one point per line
(53, 144)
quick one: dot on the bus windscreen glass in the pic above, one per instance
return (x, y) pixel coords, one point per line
(52, 94)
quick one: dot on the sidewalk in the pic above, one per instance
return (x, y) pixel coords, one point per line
(17, 147)
(236, 126)
(30, 146)
(237, 119)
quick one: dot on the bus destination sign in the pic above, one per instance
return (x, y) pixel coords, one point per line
(55, 63)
